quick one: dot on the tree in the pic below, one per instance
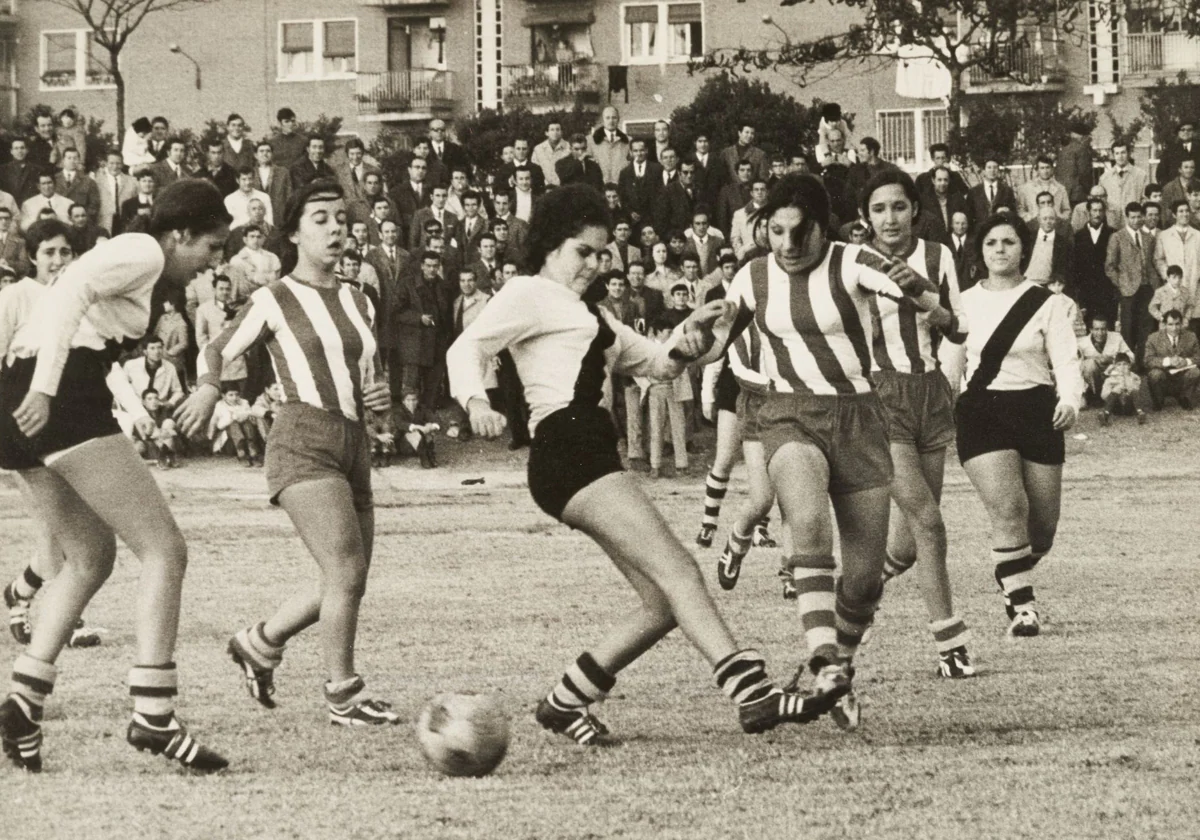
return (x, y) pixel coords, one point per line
(963, 35)
(1019, 128)
(1165, 105)
(112, 23)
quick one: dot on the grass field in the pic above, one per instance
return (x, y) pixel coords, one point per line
(1091, 730)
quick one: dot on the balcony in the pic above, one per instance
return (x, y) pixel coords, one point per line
(1027, 66)
(1159, 53)
(406, 94)
(549, 86)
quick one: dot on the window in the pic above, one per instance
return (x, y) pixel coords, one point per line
(72, 60)
(905, 136)
(317, 49)
(656, 33)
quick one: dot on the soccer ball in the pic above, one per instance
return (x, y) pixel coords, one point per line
(463, 734)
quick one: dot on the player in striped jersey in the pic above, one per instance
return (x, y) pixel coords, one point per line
(1024, 389)
(318, 333)
(919, 406)
(88, 480)
(821, 425)
(562, 343)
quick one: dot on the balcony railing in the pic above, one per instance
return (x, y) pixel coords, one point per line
(417, 91)
(537, 84)
(1026, 62)
(1149, 53)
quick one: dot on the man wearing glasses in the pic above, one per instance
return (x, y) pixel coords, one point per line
(442, 149)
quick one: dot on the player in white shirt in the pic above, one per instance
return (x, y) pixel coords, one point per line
(1024, 389)
(562, 343)
(920, 408)
(58, 429)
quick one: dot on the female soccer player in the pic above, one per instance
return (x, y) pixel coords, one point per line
(58, 430)
(918, 407)
(1024, 389)
(318, 332)
(561, 343)
(822, 427)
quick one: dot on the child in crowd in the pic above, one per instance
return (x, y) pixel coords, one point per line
(160, 444)
(678, 307)
(382, 431)
(1172, 295)
(666, 402)
(233, 423)
(1057, 286)
(416, 427)
(266, 407)
(173, 330)
(1120, 391)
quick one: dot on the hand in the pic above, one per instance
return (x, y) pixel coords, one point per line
(708, 409)
(1064, 417)
(911, 283)
(710, 314)
(691, 346)
(427, 320)
(377, 396)
(1168, 361)
(33, 414)
(485, 422)
(433, 427)
(193, 414)
(145, 427)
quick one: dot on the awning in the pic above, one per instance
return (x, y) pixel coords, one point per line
(543, 14)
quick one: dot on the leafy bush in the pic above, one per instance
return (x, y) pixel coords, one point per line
(1168, 103)
(1017, 128)
(484, 135)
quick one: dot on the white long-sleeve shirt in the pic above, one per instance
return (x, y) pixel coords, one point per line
(550, 331)
(103, 296)
(1045, 352)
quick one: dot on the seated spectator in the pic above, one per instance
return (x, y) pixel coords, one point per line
(1097, 351)
(666, 403)
(1170, 359)
(266, 409)
(1172, 295)
(1120, 391)
(173, 330)
(159, 445)
(254, 266)
(415, 426)
(151, 370)
(233, 425)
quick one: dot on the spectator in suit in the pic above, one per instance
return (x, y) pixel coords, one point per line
(609, 146)
(19, 177)
(473, 226)
(612, 200)
(460, 182)
(422, 317)
(71, 134)
(624, 253)
(46, 198)
(76, 185)
(1177, 188)
(254, 266)
(576, 167)
(486, 263)
(1172, 295)
(1179, 245)
(237, 203)
(506, 177)
(518, 229)
(1074, 165)
(939, 206)
(444, 151)
(1080, 213)
(1050, 259)
(436, 172)
(547, 154)
(1170, 359)
(367, 195)
(939, 153)
(215, 168)
(381, 212)
(648, 302)
(270, 177)
(669, 160)
(448, 223)
(1097, 352)
(741, 230)
(413, 194)
(353, 174)
(312, 166)
(115, 188)
(257, 217)
(710, 173)
(389, 261)
(173, 166)
(735, 196)
(962, 248)
(991, 192)
(211, 318)
(1043, 181)
(158, 143)
(237, 150)
(288, 145)
(676, 202)
(41, 143)
(1130, 266)
(85, 234)
(704, 239)
(523, 194)
(140, 206)
(744, 150)
(1094, 291)
(1151, 217)
(1183, 147)
(13, 255)
(1123, 183)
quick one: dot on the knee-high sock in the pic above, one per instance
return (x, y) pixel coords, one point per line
(32, 682)
(813, 577)
(27, 584)
(949, 633)
(894, 566)
(583, 683)
(714, 495)
(265, 655)
(1013, 568)
(154, 688)
(853, 619)
(743, 677)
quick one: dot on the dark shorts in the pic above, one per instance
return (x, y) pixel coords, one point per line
(308, 443)
(995, 421)
(727, 390)
(81, 411)
(748, 404)
(571, 448)
(850, 431)
(919, 408)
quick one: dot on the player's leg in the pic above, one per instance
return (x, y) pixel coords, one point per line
(1043, 488)
(717, 482)
(756, 506)
(44, 563)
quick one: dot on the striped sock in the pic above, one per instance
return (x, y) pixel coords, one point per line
(949, 633)
(153, 688)
(739, 544)
(344, 693)
(764, 523)
(32, 682)
(813, 576)
(27, 584)
(743, 677)
(253, 641)
(714, 495)
(1013, 573)
(852, 620)
(894, 566)
(583, 683)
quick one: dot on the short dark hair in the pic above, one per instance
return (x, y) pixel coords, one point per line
(245, 170)
(1043, 159)
(67, 112)
(560, 214)
(872, 145)
(1173, 315)
(152, 339)
(1146, 205)
(431, 255)
(221, 278)
(149, 391)
(160, 120)
(43, 230)
(232, 117)
(1151, 189)
(938, 147)
(1037, 199)
(1174, 270)
(1096, 200)
(319, 188)
(1133, 207)
(285, 114)
(887, 178)
(576, 139)
(801, 190)
(1179, 202)
(355, 143)
(263, 142)
(190, 204)
(997, 220)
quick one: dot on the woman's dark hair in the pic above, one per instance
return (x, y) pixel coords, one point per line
(557, 216)
(321, 189)
(191, 204)
(885, 179)
(1002, 219)
(44, 230)
(797, 189)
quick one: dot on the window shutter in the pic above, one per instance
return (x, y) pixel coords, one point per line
(60, 52)
(339, 39)
(683, 13)
(641, 14)
(297, 37)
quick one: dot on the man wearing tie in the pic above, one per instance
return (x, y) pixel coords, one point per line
(270, 177)
(448, 223)
(1093, 290)
(46, 198)
(709, 173)
(1123, 183)
(677, 200)
(1179, 245)
(115, 188)
(639, 184)
(76, 186)
(485, 267)
(1051, 257)
(1184, 147)
(1171, 356)
(413, 194)
(170, 169)
(577, 167)
(473, 226)
(991, 193)
(962, 247)
(1130, 266)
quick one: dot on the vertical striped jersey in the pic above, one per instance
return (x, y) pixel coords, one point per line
(814, 327)
(904, 341)
(319, 339)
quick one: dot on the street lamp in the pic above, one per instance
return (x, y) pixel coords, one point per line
(178, 50)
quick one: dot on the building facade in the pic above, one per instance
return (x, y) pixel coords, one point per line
(400, 62)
